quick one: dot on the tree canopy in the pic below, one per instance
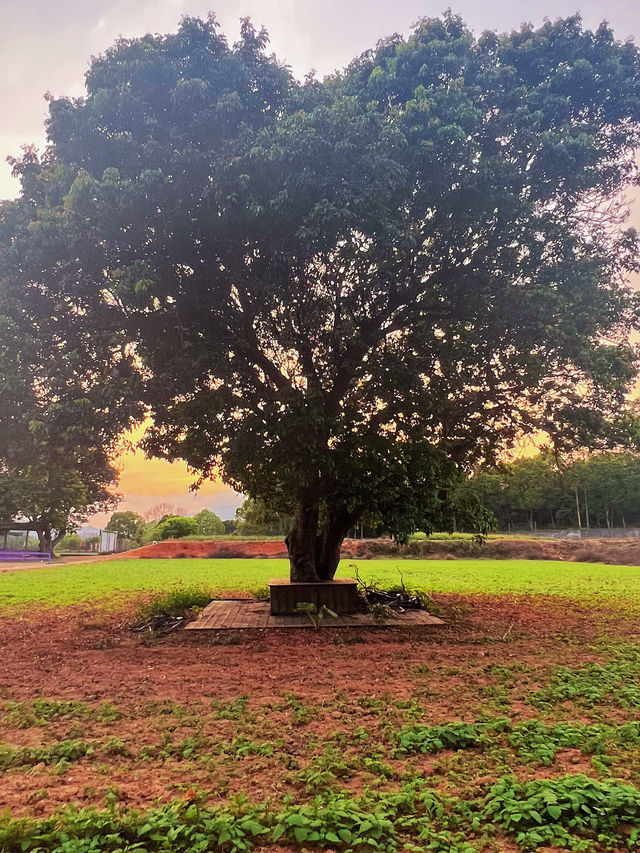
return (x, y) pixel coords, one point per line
(255, 517)
(176, 526)
(590, 490)
(126, 523)
(57, 424)
(342, 294)
(208, 523)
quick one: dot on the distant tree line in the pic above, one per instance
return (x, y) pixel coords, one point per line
(543, 491)
(599, 490)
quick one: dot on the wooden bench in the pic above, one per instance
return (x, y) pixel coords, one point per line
(10, 556)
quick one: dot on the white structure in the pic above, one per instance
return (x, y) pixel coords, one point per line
(108, 542)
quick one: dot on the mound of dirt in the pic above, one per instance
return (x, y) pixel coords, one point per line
(214, 548)
(622, 552)
(614, 552)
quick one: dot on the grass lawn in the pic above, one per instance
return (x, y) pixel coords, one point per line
(115, 579)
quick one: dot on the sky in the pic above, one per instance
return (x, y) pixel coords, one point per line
(47, 45)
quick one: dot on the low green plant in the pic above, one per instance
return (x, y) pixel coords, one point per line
(241, 747)
(262, 593)
(336, 821)
(323, 769)
(429, 739)
(301, 714)
(565, 810)
(571, 812)
(174, 602)
(232, 710)
(42, 711)
(108, 713)
(617, 681)
(381, 613)
(316, 614)
(179, 827)
(378, 768)
(186, 748)
(29, 756)
(115, 746)
(537, 742)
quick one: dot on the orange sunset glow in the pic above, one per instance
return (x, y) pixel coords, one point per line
(145, 482)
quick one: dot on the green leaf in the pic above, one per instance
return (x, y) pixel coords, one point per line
(278, 832)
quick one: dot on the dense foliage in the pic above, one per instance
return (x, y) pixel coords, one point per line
(568, 813)
(256, 517)
(175, 527)
(597, 490)
(67, 393)
(343, 294)
(126, 523)
(208, 523)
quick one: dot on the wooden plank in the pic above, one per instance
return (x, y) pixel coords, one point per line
(264, 615)
(250, 617)
(238, 614)
(223, 616)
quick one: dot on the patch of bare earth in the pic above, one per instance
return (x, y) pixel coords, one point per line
(621, 552)
(305, 689)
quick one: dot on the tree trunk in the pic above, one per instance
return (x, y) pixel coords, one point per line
(314, 554)
(56, 539)
(301, 543)
(45, 540)
(586, 510)
(328, 546)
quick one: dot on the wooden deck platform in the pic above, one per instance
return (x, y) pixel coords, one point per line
(246, 613)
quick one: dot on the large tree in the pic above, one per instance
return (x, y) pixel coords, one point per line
(67, 392)
(209, 524)
(343, 293)
(126, 523)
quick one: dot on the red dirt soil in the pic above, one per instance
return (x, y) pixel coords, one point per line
(90, 656)
(215, 548)
(620, 552)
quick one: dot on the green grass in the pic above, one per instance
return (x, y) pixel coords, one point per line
(115, 579)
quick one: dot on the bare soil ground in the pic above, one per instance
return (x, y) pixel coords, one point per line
(615, 552)
(220, 548)
(191, 711)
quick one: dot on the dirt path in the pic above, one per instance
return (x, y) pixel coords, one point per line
(23, 566)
